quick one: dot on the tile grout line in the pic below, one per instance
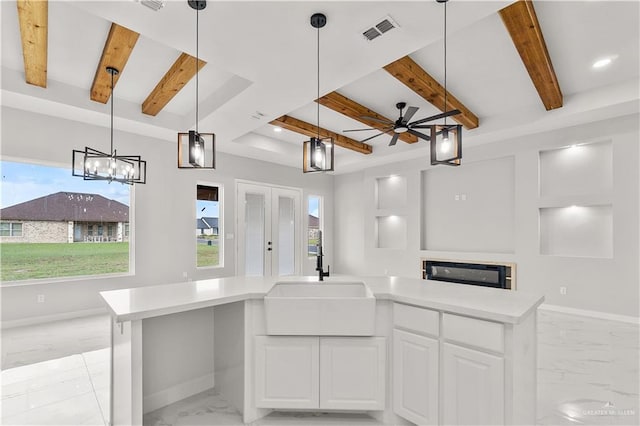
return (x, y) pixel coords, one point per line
(95, 394)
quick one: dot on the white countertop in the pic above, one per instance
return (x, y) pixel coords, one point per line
(481, 302)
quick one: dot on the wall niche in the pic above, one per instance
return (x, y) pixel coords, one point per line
(575, 202)
(469, 208)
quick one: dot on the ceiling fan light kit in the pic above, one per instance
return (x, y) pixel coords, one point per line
(92, 164)
(197, 150)
(317, 152)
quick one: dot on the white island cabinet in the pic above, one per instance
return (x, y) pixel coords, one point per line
(477, 372)
(439, 353)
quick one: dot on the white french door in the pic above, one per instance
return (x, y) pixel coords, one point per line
(269, 230)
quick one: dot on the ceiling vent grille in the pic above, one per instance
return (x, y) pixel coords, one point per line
(386, 24)
(153, 4)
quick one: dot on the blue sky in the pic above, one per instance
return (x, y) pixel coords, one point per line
(207, 209)
(314, 205)
(23, 182)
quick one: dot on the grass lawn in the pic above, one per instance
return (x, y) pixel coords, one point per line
(207, 255)
(21, 261)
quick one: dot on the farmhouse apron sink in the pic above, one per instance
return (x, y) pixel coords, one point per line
(320, 309)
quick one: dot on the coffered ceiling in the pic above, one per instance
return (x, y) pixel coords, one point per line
(259, 69)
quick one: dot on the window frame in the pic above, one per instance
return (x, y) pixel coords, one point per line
(221, 244)
(76, 278)
(320, 220)
(10, 229)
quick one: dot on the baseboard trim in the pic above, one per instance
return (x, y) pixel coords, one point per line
(178, 392)
(51, 318)
(592, 314)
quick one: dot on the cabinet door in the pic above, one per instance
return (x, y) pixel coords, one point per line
(415, 378)
(352, 373)
(286, 372)
(473, 387)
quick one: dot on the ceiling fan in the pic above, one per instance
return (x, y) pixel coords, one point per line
(402, 124)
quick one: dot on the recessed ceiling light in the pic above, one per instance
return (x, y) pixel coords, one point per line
(601, 63)
(277, 129)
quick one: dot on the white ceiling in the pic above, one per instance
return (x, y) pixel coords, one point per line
(262, 58)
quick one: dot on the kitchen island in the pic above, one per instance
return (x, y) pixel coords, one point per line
(429, 338)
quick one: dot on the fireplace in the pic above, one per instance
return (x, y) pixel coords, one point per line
(485, 274)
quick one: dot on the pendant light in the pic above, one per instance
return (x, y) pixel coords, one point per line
(446, 139)
(317, 152)
(196, 150)
(92, 164)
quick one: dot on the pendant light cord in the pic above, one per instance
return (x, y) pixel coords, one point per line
(318, 87)
(445, 61)
(197, 61)
(112, 74)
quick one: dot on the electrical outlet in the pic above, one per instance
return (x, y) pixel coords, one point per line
(185, 275)
(40, 298)
(563, 290)
(457, 197)
(463, 197)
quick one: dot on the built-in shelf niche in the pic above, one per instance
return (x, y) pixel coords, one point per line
(390, 212)
(575, 203)
(391, 232)
(391, 192)
(575, 170)
(577, 231)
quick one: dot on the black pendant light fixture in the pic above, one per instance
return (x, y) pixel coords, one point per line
(446, 139)
(196, 150)
(92, 164)
(317, 154)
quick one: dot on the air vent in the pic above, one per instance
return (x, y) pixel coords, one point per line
(386, 24)
(153, 4)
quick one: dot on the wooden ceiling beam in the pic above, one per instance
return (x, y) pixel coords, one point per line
(182, 70)
(310, 130)
(117, 49)
(33, 16)
(354, 110)
(523, 26)
(408, 72)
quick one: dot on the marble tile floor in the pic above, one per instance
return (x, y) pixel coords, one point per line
(588, 373)
(72, 390)
(57, 339)
(210, 408)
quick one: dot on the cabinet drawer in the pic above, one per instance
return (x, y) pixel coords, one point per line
(418, 320)
(475, 332)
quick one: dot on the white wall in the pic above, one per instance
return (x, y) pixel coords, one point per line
(605, 284)
(164, 209)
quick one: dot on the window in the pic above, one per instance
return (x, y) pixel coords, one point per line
(208, 226)
(126, 230)
(314, 224)
(10, 229)
(65, 240)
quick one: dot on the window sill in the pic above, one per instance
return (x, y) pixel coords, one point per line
(58, 280)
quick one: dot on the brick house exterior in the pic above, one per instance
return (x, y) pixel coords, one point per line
(65, 217)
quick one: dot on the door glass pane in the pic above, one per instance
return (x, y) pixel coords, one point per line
(254, 235)
(286, 236)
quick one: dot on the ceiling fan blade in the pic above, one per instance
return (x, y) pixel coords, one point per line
(394, 139)
(360, 130)
(409, 114)
(371, 137)
(438, 116)
(420, 135)
(369, 118)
